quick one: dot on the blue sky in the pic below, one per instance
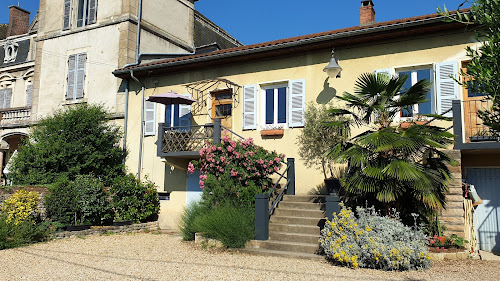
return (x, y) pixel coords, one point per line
(258, 21)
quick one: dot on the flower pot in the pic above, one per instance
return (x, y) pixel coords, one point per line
(406, 125)
(482, 138)
(332, 186)
(273, 132)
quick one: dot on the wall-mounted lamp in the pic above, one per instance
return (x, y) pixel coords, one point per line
(333, 68)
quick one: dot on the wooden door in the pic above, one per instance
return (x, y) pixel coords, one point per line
(222, 108)
(472, 103)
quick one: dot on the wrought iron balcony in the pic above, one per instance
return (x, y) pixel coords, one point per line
(469, 129)
(186, 141)
(11, 117)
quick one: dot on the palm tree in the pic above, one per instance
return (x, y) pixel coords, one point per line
(398, 168)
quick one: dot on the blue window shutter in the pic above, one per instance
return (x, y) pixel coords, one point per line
(447, 88)
(297, 101)
(149, 118)
(176, 115)
(185, 116)
(250, 107)
(168, 116)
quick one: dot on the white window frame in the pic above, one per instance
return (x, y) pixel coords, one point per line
(275, 86)
(414, 79)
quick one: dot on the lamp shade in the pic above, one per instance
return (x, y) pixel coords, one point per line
(333, 68)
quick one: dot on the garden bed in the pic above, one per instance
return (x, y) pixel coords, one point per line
(138, 227)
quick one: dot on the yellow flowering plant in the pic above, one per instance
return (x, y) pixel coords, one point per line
(20, 206)
(366, 239)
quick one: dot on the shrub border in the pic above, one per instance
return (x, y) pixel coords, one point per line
(99, 230)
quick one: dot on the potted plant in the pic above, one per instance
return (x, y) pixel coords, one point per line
(272, 130)
(321, 132)
(483, 135)
(410, 121)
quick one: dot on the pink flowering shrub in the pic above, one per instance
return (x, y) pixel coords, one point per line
(235, 171)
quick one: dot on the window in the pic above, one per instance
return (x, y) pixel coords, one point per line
(275, 108)
(281, 104)
(86, 13)
(414, 76)
(76, 76)
(178, 116)
(29, 94)
(5, 98)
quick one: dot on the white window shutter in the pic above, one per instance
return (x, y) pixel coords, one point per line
(185, 116)
(447, 88)
(70, 91)
(149, 118)
(29, 94)
(2, 98)
(80, 75)
(92, 11)
(67, 14)
(8, 98)
(250, 107)
(297, 101)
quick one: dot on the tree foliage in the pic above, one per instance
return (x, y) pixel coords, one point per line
(484, 67)
(77, 140)
(317, 137)
(398, 168)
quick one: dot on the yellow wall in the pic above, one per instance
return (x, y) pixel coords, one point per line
(309, 66)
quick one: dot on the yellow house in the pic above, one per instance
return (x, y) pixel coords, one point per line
(253, 89)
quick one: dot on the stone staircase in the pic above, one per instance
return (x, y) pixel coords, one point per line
(453, 216)
(294, 229)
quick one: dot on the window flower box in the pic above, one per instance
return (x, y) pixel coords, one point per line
(272, 132)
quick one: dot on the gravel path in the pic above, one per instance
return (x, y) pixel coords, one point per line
(147, 256)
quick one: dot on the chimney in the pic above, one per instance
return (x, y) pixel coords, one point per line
(19, 21)
(366, 13)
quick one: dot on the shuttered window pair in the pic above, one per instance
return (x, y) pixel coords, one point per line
(445, 88)
(76, 76)
(5, 98)
(283, 105)
(176, 115)
(86, 12)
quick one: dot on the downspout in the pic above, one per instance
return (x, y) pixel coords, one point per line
(141, 138)
(125, 122)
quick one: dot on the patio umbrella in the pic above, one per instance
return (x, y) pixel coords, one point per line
(170, 98)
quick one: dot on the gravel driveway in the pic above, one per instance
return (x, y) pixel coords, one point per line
(147, 256)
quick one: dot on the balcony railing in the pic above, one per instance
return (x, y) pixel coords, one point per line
(18, 115)
(186, 141)
(468, 127)
(474, 129)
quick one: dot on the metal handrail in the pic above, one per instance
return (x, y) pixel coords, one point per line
(229, 130)
(280, 195)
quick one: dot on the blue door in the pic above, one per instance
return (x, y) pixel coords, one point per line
(487, 214)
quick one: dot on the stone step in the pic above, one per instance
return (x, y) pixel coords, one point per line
(455, 205)
(299, 213)
(455, 190)
(297, 220)
(302, 205)
(305, 198)
(284, 254)
(449, 233)
(455, 228)
(293, 237)
(297, 247)
(293, 228)
(452, 220)
(454, 198)
(452, 213)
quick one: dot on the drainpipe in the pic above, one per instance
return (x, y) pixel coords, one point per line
(125, 122)
(142, 123)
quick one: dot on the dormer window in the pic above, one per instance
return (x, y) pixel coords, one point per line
(10, 49)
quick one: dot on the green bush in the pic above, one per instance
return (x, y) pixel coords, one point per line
(82, 201)
(134, 200)
(78, 140)
(231, 225)
(187, 227)
(25, 232)
(372, 241)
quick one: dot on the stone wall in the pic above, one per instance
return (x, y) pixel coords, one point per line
(99, 230)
